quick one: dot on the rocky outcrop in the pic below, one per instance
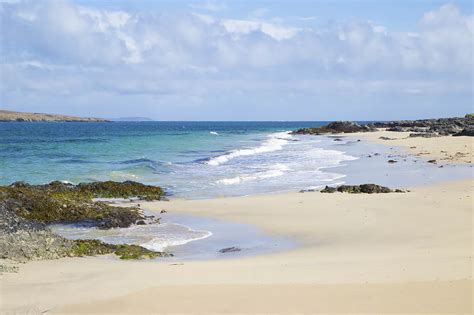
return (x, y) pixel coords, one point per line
(435, 127)
(7, 116)
(62, 202)
(336, 127)
(360, 189)
(23, 239)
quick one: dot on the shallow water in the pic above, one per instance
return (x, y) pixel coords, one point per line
(175, 235)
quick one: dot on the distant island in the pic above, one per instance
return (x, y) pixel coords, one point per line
(6, 116)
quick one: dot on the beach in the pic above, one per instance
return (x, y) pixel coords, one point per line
(355, 253)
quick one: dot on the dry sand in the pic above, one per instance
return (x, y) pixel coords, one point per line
(385, 253)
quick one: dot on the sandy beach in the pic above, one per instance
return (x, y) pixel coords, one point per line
(384, 253)
(446, 149)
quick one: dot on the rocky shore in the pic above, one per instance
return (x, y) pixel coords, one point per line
(336, 127)
(8, 116)
(25, 211)
(456, 126)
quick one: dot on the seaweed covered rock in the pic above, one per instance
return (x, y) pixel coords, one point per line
(111, 189)
(336, 127)
(124, 251)
(360, 189)
(63, 202)
(22, 240)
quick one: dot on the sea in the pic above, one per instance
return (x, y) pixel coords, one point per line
(199, 160)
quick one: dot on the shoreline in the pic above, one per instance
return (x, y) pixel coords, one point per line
(379, 253)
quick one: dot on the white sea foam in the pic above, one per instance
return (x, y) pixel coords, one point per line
(214, 133)
(166, 240)
(275, 142)
(153, 236)
(275, 171)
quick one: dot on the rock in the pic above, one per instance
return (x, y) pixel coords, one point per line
(63, 202)
(336, 127)
(163, 211)
(22, 240)
(432, 161)
(435, 127)
(306, 190)
(360, 189)
(468, 131)
(229, 250)
(141, 222)
(392, 161)
(424, 135)
(386, 138)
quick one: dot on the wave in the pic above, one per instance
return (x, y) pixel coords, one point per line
(275, 171)
(187, 236)
(214, 133)
(137, 161)
(275, 142)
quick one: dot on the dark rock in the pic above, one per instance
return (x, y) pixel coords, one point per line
(141, 222)
(425, 135)
(329, 189)
(392, 161)
(360, 189)
(336, 127)
(441, 126)
(163, 211)
(432, 161)
(229, 250)
(386, 138)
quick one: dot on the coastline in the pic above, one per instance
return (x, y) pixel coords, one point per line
(379, 253)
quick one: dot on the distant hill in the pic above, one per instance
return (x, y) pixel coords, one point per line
(6, 115)
(132, 119)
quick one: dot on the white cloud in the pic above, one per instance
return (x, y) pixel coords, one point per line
(56, 45)
(209, 5)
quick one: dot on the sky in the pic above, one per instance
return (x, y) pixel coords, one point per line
(238, 60)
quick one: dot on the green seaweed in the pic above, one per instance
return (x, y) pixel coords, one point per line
(124, 251)
(61, 202)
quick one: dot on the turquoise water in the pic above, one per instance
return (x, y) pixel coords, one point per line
(188, 158)
(201, 159)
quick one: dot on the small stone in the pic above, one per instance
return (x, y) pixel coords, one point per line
(229, 250)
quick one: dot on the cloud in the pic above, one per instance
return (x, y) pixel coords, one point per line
(209, 5)
(56, 48)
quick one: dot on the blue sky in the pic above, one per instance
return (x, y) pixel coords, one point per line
(238, 60)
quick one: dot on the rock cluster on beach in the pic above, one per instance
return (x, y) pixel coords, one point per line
(457, 126)
(26, 209)
(335, 127)
(360, 189)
